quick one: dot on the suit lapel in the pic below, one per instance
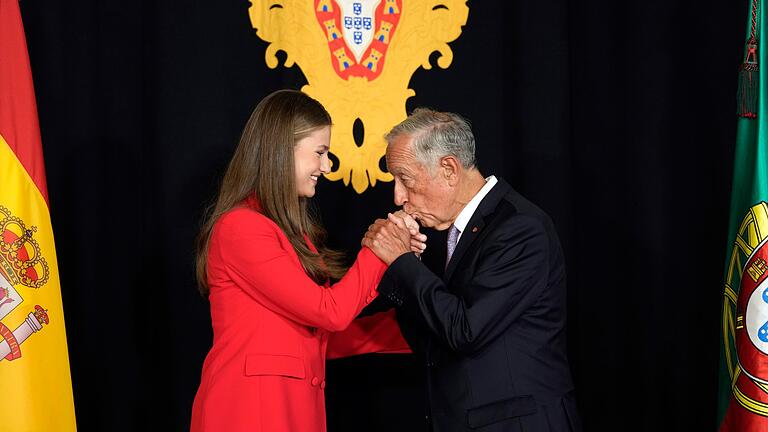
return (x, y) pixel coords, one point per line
(476, 224)
(474, 228)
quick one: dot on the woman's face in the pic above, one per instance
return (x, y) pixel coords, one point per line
(311, 158)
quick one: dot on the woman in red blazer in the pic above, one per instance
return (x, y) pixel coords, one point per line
(262, 264)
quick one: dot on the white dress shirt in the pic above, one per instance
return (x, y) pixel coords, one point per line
(466, 213)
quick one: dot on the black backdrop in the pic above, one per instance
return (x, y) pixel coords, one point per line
(616, 117)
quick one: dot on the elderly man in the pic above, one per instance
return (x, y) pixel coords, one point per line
(491, 328)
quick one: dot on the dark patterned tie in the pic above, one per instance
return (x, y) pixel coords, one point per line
(453, 238)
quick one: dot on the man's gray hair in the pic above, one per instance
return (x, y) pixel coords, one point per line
(437, 134)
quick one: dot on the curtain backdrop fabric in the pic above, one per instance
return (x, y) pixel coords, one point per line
(617, 118)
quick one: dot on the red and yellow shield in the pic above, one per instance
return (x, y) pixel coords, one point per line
(745, 323)
(359, 33)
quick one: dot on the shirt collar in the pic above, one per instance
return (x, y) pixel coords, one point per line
(466, 213)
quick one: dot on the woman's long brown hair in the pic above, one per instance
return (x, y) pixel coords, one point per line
(263, 165)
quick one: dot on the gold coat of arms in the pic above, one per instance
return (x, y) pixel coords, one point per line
(358, 57)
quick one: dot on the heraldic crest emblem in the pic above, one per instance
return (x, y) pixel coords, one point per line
(21, 264)
(745, 312)
(358, 57)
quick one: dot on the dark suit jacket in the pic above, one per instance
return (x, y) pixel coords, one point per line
(492, 329)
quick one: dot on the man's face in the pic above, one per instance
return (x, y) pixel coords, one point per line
(426, 196)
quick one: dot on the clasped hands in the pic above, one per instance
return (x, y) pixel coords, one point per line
(397, 235)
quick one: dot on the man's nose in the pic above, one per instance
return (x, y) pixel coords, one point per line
(401, 196)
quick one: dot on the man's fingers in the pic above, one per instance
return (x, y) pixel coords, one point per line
(400, 225)
(377, 223)
(393, 235)
(371, 235)
(399, 222)
(410, 222)
(417, 246)
(377, 226)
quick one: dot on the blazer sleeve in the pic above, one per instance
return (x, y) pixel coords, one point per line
(258, 263)
(378, 333)
(509, 276)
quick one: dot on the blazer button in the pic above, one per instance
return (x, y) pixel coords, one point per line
(315, 381)
(322, 384)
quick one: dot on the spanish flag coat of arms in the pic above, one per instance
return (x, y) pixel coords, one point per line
(35, 384)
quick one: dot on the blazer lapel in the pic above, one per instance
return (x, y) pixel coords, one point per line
(476, 224)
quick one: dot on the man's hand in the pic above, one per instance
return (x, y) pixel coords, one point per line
(387, 239)
(418, 239)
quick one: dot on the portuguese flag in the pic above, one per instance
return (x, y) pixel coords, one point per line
(743, 401)
(35, 385)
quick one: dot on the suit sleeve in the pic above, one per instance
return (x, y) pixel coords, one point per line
(378, 333)
(510, 274)
(259, 264)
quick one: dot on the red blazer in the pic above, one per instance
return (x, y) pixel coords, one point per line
(266, 369)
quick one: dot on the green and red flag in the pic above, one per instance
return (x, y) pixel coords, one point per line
(35, 384)
(743, 401)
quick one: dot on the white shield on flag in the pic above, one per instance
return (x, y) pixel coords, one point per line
(756, 317)
(358, 22)
(9, 297)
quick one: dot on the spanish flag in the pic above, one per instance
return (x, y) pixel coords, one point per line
(35, 385)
